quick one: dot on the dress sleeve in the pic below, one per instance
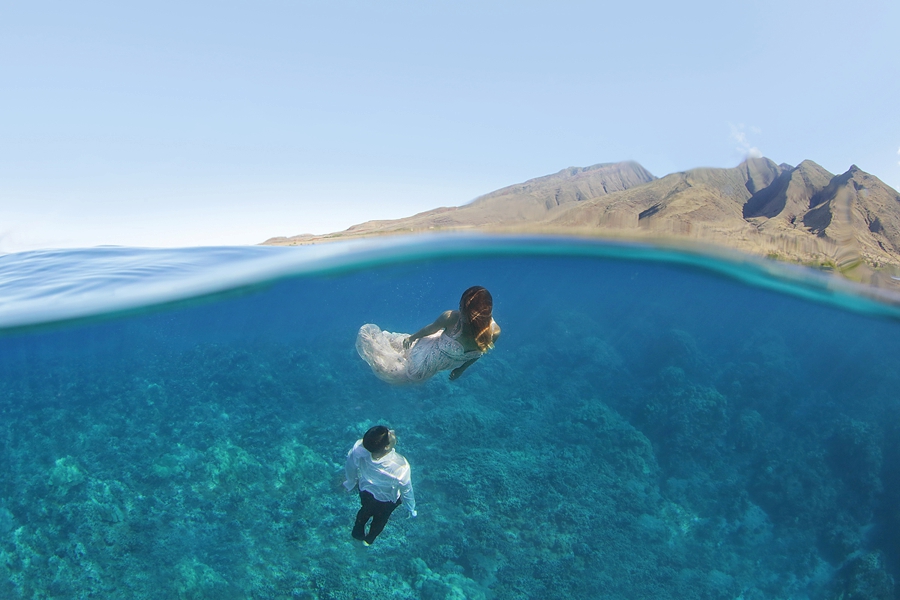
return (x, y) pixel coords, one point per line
(351, 468)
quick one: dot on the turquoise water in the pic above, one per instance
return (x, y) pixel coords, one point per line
(651, 424)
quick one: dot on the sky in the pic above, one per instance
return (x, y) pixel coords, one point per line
(171, 124)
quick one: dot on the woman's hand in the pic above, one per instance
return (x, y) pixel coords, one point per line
(408, 342)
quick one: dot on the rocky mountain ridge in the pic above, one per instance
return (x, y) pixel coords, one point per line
(848, 222)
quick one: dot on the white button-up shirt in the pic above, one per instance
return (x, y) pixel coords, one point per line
(387, 478)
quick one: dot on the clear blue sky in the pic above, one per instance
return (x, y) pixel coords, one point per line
(199, 123)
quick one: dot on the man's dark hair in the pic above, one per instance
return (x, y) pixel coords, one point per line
(377, 439)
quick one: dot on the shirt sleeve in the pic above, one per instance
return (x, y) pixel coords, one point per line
(406, 490)
(351, 468)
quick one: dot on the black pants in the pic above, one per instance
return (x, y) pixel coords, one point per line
(373, 509)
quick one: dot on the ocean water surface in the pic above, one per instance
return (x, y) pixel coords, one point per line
(651, 424)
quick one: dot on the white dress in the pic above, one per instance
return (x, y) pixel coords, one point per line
(393, 363)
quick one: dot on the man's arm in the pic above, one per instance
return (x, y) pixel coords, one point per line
(442, 322)
(406, 492)
(351, 469)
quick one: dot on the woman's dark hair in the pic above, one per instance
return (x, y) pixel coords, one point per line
(377, 439)
(476, 306)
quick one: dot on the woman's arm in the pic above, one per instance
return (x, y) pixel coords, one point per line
(458, 371)
(444, 321)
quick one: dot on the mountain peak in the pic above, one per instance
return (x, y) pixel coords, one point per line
(760, 173)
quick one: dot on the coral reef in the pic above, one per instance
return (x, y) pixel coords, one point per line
(605, 449)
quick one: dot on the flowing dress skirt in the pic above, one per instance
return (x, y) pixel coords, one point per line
(391, 362)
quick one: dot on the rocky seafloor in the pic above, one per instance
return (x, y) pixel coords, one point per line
(678, 437)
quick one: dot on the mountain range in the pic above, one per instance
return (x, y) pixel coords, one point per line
(849, 223)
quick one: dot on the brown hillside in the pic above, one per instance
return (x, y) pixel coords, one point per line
(678, 204)
(535, 199)
(521, 204)
(849, 222)
(788, 196)
(860, 214)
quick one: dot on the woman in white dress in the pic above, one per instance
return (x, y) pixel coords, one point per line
(455, 340)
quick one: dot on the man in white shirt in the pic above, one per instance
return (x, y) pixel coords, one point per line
(384, 479)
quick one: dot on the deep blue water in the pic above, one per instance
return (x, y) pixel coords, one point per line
(651, 424)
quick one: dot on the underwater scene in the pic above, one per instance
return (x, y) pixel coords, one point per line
(650, 424)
